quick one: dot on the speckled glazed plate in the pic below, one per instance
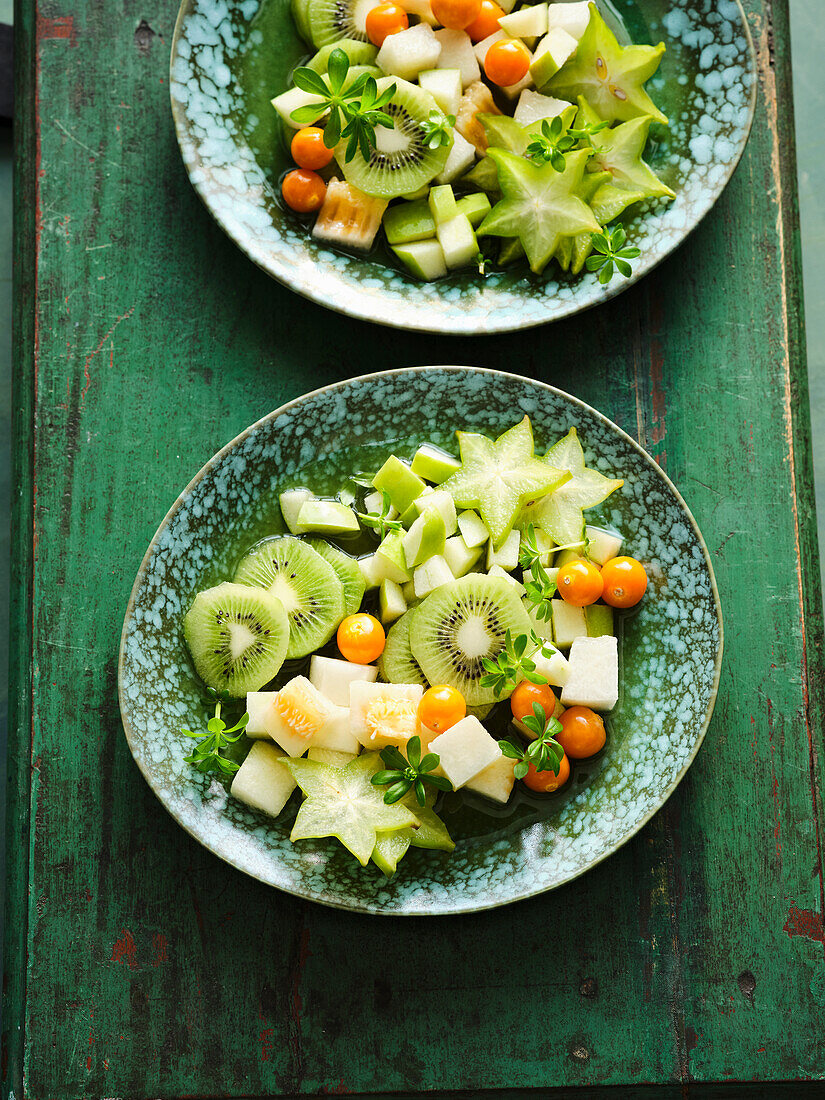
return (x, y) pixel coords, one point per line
(229, 57)
(670, 650)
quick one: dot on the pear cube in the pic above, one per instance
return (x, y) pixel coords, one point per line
(444, 85)
(260, 708)
(460, 159)
(473, 528)
(457, 53)
(391, 558)
(593, 679)
(569, 623)
(262, 781)
(409, 52)
(291, 502)
(507, 554)
(459, 556)
(430, 575)
(555, 668)
(551, 53)
(528, 22)
(465, 750)
(602, 545)
(441, 502)
(391, 602)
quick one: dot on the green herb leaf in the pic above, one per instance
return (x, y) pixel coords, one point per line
(609, 253)
(380, 521)
(207, 755)
(437, 129)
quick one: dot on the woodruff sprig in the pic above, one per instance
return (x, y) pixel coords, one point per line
(380, 521)
(410, 773)
(354, 108)
(609, 252)
(551, 144)
(206, 755)
(544, 753)
(436, 129)
(584, 133)
(540, 590)
(512, 665)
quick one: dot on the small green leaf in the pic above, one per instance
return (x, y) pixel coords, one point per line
(397, 791)
(310, 81)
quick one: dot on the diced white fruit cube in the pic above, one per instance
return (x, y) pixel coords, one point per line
(473, 528)
(568, 623)
(301, 716)
(422, 9)
(391, 602)
(458, 240)
(480, 49)
(460, 159)
(408, 52)
(465, 750)
(593, 679)
(497, 571)
(424, 258)
(384, 714)
(444, 85)
(291, 100)
(335, 732)
(457, 53)
(442, 502)
(332, 757)
(602, 545)
(260, 708)
(333, 677)
(390, 560)
(262, 781)
(513, 91)
(572, 18)
(360, 11)
(371, 571)
(431, 575)
(555, 668)
(532, 106)
(507, 554)
(459, 556)
(424, 538)
(291, 502)
(527, 22)
(496, 781)
(408, 592)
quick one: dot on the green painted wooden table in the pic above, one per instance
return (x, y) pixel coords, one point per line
(138, 965)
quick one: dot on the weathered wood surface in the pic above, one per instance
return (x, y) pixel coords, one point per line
(137, 964)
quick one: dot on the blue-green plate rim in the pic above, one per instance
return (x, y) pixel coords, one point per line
(366, 378)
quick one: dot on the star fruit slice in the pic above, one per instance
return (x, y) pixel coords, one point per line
(343, 803)
(560, 513)
(609, 76)
(495, 478)
(539, 205)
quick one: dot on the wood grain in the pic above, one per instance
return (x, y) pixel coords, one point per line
(138, 965)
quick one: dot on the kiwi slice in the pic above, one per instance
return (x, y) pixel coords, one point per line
(397, 664)
(331, 20)
(401, 160)
(299, 15)
(359, 53)
(237, 637)
(459, 624)
(307, 586)
(349, 574)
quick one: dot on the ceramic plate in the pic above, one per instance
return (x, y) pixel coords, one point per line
(670, 650)
(230, 57)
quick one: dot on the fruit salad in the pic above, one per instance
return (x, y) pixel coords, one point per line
(372, 683)
(464, 133)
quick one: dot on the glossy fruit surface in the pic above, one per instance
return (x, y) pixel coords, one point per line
(546, 781)
(486, 22)
(507, 62)
(308, 149)
(579, 583)
(526, 694)
(582, 732)
(455, 14)
(303, 190)
(385, 19)
(625, 582)
(441, 707)
(361, 639)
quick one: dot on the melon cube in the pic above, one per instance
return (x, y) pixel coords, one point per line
(458, 240)
(301, 716)
(465, 749)
(528, 22)
(262, 781)
(408, 52)
(444, 85)
(555, 668)
(391, 559)
(459, 556)
(460, 159)
(569, 623)
(593, 678)
(260, 708)
(572, 18)
(431, 575)
(602, 545)
(496, 781)
(384, 714)
(507, 554)
(333, 677)
(532, 107)
(457, 53)
(497, 571)
(473, 528)
(371, 571)
(335, 733)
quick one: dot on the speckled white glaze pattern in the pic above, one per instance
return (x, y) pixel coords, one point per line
(671, 650)
(706, 85)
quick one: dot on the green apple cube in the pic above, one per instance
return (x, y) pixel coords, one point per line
(599, 619)
(391, 602)
(554, 668)
(457, 53)
(431, 575)
(433, 464)
(397, 479)
(425, 538)
(371, 571)
(458, 240)
(593, 679)
(496, 781)
(444, 85)
(326, 517)
(480, 49)
(459, 556)
(408, 591)
(465, 750)
(291, 502)
(333, 677)
(526, 22)
(443, 503)
(424, 259)
(564, 557)
(391, 559)
(505, 555)
(291, 100)
(442, 203)
(551, 53)
(260, 706)
(409, 221)
(572, 18)
(473, 528)
(533, 107)
(422, 9)
(408, 52)
(460, 159)
(333, 757)
(262, 781)
(602, 545)
(497, 571)
(568, 623)
(476, 207)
